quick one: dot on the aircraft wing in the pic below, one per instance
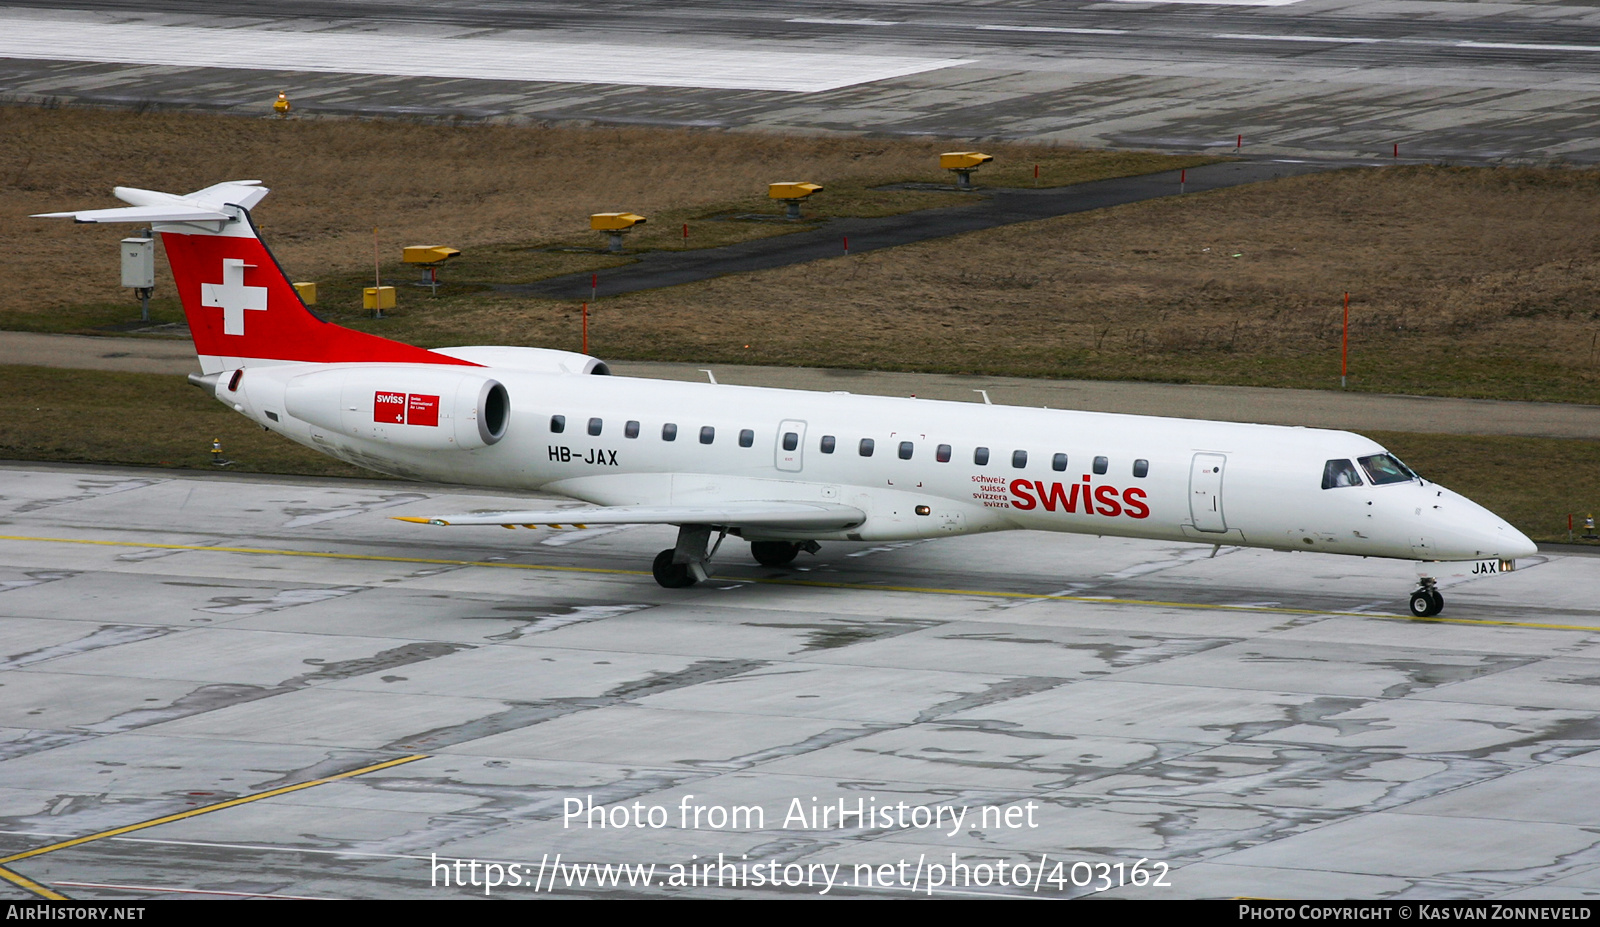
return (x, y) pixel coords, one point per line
(794, 515)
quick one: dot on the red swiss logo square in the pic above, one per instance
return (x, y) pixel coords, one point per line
(389, 408)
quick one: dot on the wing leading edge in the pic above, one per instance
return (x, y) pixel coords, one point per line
(790, 515)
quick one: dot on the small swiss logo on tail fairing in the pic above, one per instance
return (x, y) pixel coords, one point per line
(232, 296)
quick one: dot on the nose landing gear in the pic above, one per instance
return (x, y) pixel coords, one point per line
(1426, 601)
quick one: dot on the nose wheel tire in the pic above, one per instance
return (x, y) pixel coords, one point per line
(1427, 602)
(774, 553)
(671, 575)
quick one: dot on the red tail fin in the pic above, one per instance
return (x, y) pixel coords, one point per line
(239, 303)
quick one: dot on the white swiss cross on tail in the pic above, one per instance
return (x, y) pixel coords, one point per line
(233, 296)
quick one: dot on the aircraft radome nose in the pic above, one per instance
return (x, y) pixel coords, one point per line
(1515, 544)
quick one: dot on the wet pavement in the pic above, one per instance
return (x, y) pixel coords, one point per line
(1253, 723)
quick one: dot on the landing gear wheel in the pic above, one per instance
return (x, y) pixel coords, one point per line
(774, 553)
(1426, 602)
(671, 575)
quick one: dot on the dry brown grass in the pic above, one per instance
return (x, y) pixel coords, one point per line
(467, 186)
(1465, 282)
(143, 419)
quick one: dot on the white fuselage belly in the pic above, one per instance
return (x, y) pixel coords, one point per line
(1207, 482)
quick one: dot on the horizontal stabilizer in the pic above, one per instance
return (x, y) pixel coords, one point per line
(176, 212)
(154, 206)
(795, 515)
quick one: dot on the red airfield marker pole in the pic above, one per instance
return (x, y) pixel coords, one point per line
(1238, 143)
(1397, 149)
(1344, 359)
(594, 286)
(1183, 179)
(686, 231)
(847, 245)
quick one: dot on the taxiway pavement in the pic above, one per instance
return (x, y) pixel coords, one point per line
(1247, 724)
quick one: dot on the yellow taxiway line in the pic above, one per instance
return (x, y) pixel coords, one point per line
(35, 887)
(30, 885)
(820, 584)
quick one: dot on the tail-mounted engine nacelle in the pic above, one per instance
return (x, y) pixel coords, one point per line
(416, 407)
(533, 360)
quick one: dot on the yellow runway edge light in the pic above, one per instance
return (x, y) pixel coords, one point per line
(615, 225)
(791, 194)
(963, 163)
(792, 191)
(428, 254)
(614, 221)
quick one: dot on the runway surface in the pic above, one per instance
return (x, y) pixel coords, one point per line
(311, 700)
(1344, 79)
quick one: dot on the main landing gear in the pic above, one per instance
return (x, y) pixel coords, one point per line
(780, 553)
(684, 565)
(1426, 601)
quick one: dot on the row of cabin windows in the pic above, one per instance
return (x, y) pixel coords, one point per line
(829, 444)
(980, 455)
(669, 431)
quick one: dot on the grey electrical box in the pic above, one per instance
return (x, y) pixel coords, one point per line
(139, 262)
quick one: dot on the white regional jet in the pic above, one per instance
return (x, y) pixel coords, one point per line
(782, 469)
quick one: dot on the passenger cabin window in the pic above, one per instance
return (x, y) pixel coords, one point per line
(746, 437)
(669, 432)
(1386, 468)
(595, 425)
(1019, 459)
(942, 454)
(1101, 465)
(1337, 473)
(1141, 468)
(630, 430)
(558, 424)
(980, 456)
(905, 450)
(791, 440)
(867, 444)
(1058, 462)
(707, 434)
(828, 444)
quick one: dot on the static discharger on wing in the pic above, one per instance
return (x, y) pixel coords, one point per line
(782, 469)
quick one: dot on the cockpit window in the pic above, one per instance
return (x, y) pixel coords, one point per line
(1386, 468)
(1336, 473)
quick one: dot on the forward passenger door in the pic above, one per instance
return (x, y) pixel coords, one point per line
(1205, 492)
